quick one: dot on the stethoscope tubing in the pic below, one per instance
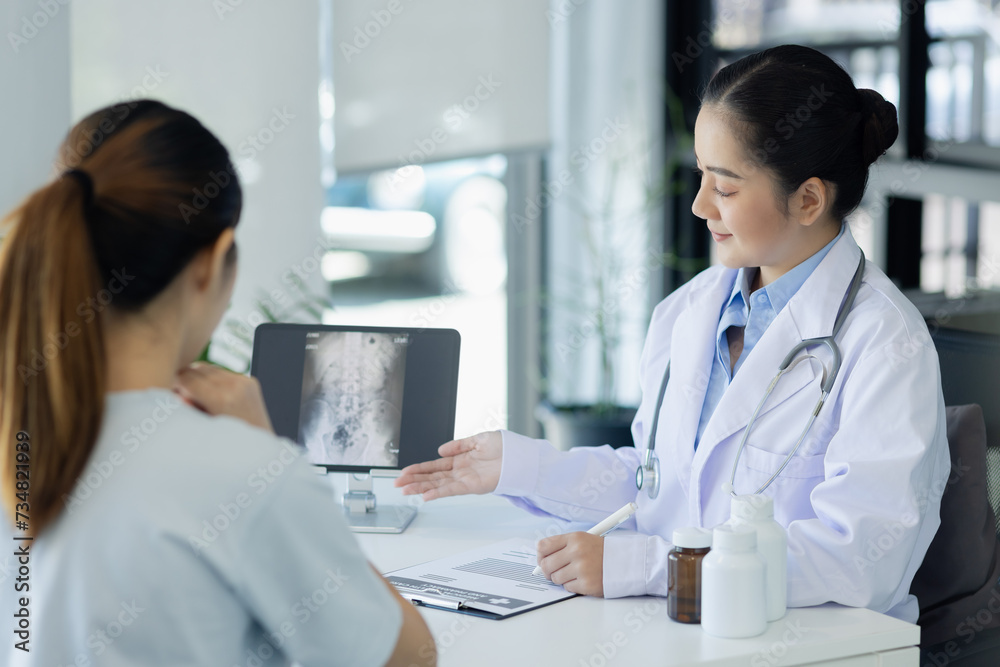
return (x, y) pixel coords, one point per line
(648, 474)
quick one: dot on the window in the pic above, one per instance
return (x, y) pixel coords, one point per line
(960, 227)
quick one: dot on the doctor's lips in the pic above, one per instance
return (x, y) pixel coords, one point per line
(719, 237)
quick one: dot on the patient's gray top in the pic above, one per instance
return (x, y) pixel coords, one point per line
(196, 540)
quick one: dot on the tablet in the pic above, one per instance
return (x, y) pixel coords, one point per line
(359, 398)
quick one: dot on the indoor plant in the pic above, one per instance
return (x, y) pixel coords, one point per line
(615, 214)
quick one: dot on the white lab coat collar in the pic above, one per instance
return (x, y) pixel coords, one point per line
(810, 313)
(814, 307)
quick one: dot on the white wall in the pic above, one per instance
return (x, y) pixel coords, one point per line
(34, 69)
(250, 72)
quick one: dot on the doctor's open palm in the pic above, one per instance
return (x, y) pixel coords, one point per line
(469, 465)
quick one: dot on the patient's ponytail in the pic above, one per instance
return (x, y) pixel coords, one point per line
(52, 363)
(142, 188)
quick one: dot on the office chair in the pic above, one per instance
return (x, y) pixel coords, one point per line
(970, 373)
(959, 583)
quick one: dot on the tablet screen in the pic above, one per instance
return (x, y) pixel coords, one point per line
(359, 398)
(352, 397)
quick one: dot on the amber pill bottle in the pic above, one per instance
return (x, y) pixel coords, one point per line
(684, 573)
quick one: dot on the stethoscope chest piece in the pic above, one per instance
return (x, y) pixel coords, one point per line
(647, 476)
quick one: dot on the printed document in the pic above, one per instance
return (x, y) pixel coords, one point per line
(494, 581)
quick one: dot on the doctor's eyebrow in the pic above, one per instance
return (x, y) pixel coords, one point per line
(721, 171)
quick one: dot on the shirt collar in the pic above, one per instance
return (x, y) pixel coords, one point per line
(784, 288)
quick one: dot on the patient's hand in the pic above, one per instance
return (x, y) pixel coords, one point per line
(469, 465)
(220, 392)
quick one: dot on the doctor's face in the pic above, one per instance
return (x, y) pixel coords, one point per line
(738, 202)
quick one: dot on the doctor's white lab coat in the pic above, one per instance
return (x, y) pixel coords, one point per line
(861, 497)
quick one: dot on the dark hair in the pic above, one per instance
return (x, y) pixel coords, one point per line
(799, 115)
(143, 188)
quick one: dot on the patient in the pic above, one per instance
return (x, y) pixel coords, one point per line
(170, 524)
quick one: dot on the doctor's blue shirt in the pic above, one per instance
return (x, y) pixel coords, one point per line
(754, 312)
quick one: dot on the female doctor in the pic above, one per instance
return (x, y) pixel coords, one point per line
(783, 141)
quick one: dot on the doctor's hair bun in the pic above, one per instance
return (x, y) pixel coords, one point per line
(880, 127)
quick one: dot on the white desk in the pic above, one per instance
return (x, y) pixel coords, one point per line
(589, 632)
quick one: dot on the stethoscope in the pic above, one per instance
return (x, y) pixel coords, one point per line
(647, 475)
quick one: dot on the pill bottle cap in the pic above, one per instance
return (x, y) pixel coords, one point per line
(734, 538)
(752, 507)
(692, 538)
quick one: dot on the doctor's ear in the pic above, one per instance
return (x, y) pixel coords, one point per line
(811, 201)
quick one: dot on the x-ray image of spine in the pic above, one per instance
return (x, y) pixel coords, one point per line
(352, 398)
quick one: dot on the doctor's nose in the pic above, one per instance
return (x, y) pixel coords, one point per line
(702, 205)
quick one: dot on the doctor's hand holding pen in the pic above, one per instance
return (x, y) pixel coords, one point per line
(472, 465)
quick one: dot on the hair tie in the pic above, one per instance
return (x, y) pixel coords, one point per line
(86, 182)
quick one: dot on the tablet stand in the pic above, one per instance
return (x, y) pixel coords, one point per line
(363, 514)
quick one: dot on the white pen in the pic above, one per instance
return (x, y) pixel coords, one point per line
(605, 527)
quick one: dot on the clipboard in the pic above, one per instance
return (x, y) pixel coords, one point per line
(492, 582)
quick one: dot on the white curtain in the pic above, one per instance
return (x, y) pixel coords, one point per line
(250, 72)
(428, 80)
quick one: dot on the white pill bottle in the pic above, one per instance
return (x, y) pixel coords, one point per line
(757, 511)
(732, 584)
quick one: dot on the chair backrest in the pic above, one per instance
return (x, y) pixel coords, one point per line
(970, 373)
